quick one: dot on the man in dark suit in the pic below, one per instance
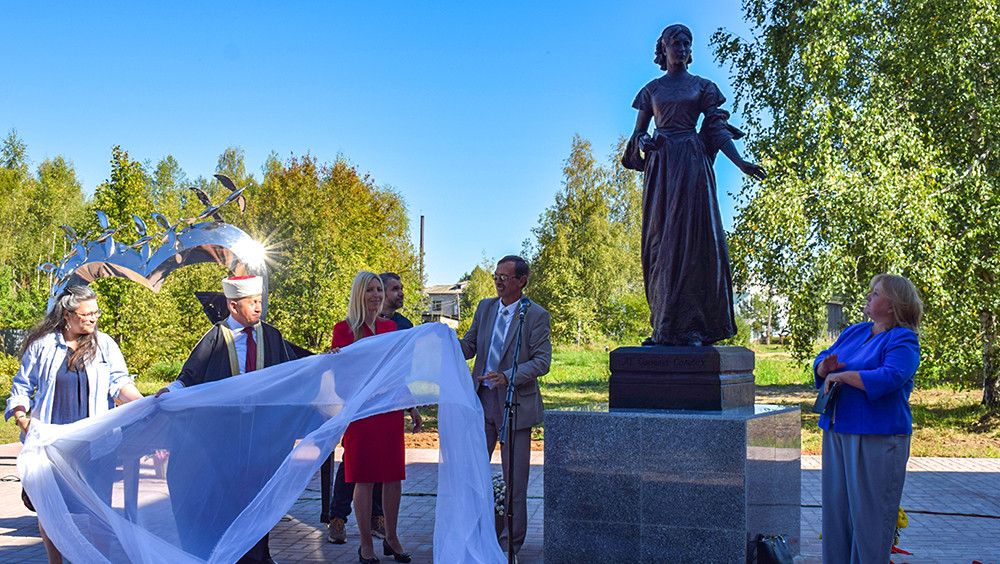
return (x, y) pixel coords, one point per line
(238, 344)
(491, 339)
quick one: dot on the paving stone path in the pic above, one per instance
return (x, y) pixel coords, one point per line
(953, 506)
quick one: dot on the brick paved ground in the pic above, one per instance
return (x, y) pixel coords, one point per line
(962, 487)
(934, 486)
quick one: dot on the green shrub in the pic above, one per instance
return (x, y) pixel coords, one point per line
(742, 336)
(8, 367)
(163, 371)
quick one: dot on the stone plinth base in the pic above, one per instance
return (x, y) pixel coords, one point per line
(669, 486)
(659, 377)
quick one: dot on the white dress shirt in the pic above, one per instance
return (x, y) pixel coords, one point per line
(240, 341)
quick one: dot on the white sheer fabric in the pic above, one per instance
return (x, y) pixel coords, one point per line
(242, 450)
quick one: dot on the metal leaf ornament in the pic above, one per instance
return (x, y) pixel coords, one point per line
(140, 225)
(211, 210)
(201, 241)
(164, 224)
(70, 233)
(102, 220)
(237, 193)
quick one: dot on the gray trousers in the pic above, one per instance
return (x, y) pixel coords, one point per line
(863, 479)
(493, 401)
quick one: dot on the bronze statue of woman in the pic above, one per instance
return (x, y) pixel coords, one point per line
(685, 263)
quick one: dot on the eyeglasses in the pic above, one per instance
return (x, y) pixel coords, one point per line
(502, 277)
(90, 315)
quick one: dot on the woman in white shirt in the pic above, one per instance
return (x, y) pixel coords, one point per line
(69, 371)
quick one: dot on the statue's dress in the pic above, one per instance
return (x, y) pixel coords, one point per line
(685, 263)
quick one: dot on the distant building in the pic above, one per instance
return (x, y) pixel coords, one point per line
(444, 303)
(835, 319)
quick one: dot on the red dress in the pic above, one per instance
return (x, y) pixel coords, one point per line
(374, 449)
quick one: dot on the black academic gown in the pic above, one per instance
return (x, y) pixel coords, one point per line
(209, 362)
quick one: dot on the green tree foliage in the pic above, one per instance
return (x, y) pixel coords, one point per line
(14, 155)
(31, 209)
(169, 189)
(19, 303)
(128, 310)
(479, 288)
(324, 223)
(586, 268)
(8, 368)
(762, 312)
(879, 124)
(231, 164)
(126, 192)
(742, 336)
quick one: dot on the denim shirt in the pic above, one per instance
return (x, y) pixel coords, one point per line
(33, 385)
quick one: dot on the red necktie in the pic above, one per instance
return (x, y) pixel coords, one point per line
(251, 350)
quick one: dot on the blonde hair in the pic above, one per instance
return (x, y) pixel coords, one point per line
(356, 304)
(907, 307)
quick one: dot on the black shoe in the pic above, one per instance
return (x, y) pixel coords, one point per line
(397, 556)
(372, 560)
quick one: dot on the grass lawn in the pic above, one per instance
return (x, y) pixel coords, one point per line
(946, 421)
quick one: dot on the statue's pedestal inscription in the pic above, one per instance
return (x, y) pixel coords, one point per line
(698, 378)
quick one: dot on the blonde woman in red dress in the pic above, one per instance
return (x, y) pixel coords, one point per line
(374, 450)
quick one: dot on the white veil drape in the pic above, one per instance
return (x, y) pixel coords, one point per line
(240, 452)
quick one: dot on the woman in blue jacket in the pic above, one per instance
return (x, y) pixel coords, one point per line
(867, 427)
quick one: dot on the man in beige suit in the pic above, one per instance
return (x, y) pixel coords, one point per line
(491, 339)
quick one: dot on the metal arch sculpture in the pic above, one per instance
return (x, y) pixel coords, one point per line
(213, 241)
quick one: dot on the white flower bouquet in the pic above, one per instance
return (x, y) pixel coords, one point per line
(499, 493)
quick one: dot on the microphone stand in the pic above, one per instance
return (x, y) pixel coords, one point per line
(509, 423)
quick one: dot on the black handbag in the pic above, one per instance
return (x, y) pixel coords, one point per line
(823, 401)
(26, 500)
(773, 550)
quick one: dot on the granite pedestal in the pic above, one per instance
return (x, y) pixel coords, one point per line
(680, 466)
(669, 486)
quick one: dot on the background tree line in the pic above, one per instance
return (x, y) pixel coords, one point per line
(322, 222)
(879, 124)
(585, 260)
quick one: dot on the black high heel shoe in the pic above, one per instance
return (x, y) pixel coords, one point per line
(397, 556)
(372, 560)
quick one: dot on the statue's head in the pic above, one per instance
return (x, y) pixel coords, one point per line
(668, 34)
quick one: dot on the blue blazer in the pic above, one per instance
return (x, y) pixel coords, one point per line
(887, 363)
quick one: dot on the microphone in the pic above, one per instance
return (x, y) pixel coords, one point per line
(525, 304)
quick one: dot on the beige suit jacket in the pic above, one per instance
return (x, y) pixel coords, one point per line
(534, 356)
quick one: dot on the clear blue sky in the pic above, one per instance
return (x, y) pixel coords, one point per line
(468, 109)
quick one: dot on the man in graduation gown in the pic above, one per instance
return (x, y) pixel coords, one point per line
(236, 345)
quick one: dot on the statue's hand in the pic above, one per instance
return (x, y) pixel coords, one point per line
(752, 170)
(646, 143)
